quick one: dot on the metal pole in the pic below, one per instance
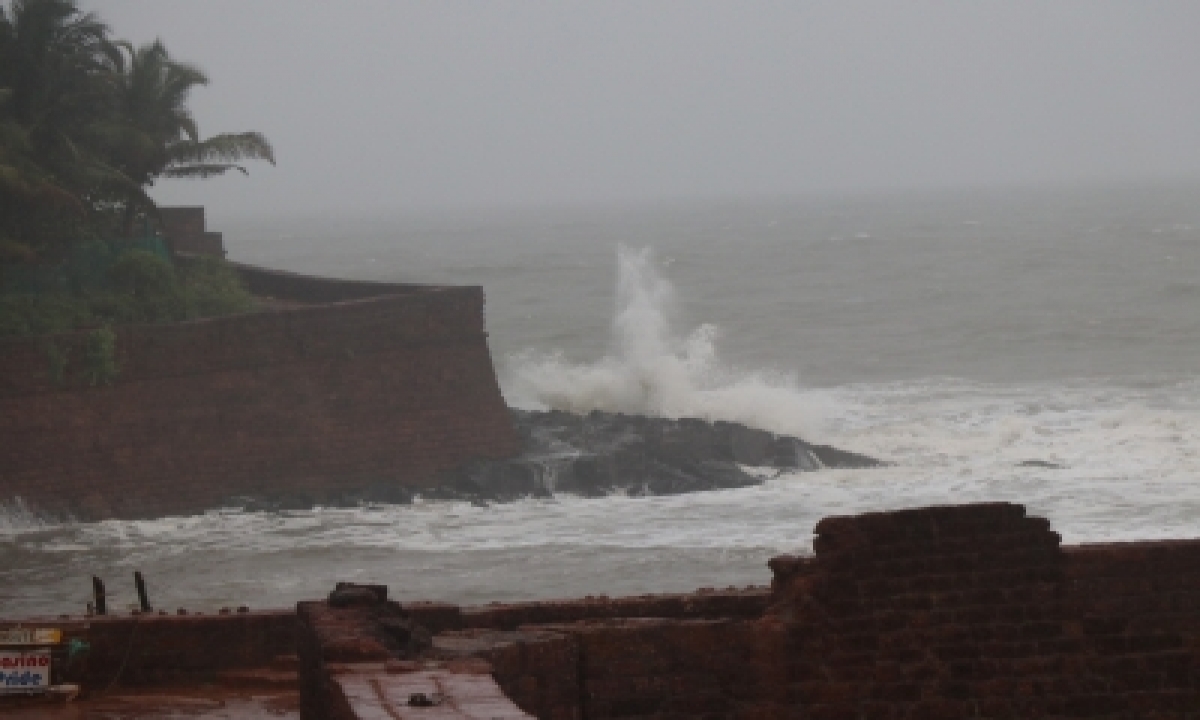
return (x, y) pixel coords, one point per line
(140, 582)
(98, 594)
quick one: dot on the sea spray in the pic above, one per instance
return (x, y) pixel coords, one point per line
(16, 517)
(651, 369)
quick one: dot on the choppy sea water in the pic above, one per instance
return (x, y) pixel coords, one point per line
(957, 335)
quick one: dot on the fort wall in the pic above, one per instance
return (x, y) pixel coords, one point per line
(948, 612)
(347, 386)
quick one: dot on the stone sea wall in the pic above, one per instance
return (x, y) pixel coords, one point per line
(947, 612)
(972, 611)
(342, 387)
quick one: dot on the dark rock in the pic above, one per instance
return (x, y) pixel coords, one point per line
(723, 474)
(663, 479)
(423, 700)
(835, 459)
(751, 447)
(592, 476)
(598, 453)
(354, 595)
(502, 480)
(411, 636)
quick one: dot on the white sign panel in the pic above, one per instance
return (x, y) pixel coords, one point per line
(24, 671)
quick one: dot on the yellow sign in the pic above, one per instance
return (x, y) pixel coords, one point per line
(30, 636)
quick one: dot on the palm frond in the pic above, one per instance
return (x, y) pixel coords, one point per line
(201, 171)
(224, 148)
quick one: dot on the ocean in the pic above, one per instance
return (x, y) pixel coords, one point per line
(959, 335)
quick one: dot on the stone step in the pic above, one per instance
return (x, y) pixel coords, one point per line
(426, 695)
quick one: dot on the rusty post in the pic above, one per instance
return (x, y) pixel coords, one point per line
(98, 595)
(140, 582)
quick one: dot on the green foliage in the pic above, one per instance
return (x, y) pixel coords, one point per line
(141, 274)
(37, 314)
(139, 287)
(88, 123)
(212, 289)
(100, 357)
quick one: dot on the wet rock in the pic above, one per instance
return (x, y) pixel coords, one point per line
(835, 459)
(591, 476)
(353, 595)
(502, 480)
(723, 474)
(752, 447)
(599, 453)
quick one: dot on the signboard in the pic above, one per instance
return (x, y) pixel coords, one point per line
(30, 636)
(24, 671)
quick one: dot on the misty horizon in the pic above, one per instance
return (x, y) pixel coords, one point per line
(385, 108)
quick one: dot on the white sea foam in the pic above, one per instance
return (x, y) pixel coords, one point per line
(17, 517)
(1128, 458)
(1114, 409)
(652, 369)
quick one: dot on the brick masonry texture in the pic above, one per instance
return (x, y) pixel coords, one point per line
(155, 649)
(945, 612)
(976, 611)
(972, 611)
(376, 385)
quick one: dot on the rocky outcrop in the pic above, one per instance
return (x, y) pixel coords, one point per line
(601, 453)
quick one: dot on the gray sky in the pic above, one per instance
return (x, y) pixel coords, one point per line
(393, 106)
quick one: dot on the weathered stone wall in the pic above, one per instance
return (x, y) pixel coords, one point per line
(975, 611)
(309, 400)
(282, 285)
(949, 612)
(152, 649)
(731, 603)
(186, 234)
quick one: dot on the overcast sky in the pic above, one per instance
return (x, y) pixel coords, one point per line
(382, 106)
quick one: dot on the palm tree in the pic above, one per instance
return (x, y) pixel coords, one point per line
(156, 135)
(53, 93)
(87, 125)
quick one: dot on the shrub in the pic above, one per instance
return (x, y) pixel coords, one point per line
(138, 287)
(31, 314)
(100, 357)
(213, 288)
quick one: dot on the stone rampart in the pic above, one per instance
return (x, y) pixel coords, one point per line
(947, 612)
(153, 649)
(388, 387)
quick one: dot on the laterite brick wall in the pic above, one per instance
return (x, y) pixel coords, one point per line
(975, 611)
(311, 401)
(948, 612)
(151, 649)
